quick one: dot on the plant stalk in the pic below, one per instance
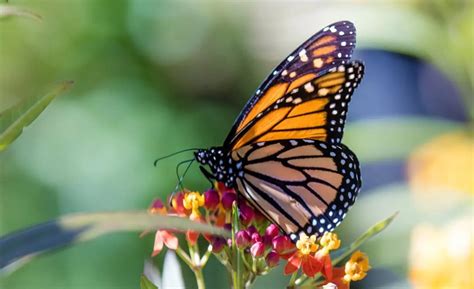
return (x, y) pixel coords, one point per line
(199, 278)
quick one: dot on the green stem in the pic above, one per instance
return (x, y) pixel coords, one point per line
(199, 278)
(291, 284)
(308, 282)
(237, 274)
(244, 260)
(301, 279)
(206, 256)
(254, 265)
(185, 257)
(196, 255)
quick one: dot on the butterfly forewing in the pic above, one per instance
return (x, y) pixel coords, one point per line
(328, 48)
(301, 185)
(314, 109)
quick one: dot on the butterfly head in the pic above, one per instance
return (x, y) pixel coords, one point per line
(208, 156)
(222, 167)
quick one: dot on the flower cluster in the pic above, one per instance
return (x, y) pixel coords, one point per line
(260, 245)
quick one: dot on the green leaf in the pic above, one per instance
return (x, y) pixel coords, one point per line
(18, 248)
(146, 284)
(342, 254)
(7, 10)
(16, 118)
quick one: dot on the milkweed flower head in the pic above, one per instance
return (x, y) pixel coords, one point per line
(262, 245)
(162, 237)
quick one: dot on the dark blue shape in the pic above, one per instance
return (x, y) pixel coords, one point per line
(381, 173)
(399, 85)
(34, 240)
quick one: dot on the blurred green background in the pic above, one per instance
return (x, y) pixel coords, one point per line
(154, 77)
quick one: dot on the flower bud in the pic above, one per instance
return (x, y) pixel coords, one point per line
(257, 249)
(256, 238)
(272, 259)
(228, 226)
(228, 199)
(272, 231)
(192, 237)
(252, 230)
(282, 245)
(218, 244)
(246, 213)
(157, 207)
(211, 199)
(242, 239)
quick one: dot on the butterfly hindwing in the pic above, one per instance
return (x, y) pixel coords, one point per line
(328, 48)
(301, 185)
(314, 109)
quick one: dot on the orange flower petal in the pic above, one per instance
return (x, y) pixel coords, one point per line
(192, 237)
(311, 266)
(325, 261)
(294, 263)
(337, 278)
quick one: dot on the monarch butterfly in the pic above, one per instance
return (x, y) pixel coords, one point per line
(284, 152)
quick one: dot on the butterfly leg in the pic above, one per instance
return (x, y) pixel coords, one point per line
(208, 175)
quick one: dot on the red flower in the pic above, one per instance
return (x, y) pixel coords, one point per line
(192, 236)
(309, 258)
(337, 278)
(324, 258)
(310, 264)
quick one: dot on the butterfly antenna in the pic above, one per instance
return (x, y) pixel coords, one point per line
(179, 178)
(173, 154)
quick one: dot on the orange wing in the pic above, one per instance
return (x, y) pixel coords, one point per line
(300, 185)
(330, 47)
(306, 108)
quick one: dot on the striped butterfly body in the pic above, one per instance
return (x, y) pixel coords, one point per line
(284, 152)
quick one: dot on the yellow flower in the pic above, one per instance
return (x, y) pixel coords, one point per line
(356, 268)
(329, 241)
(443, 165)
(443, 257)
(307, 245)
(193, 201)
